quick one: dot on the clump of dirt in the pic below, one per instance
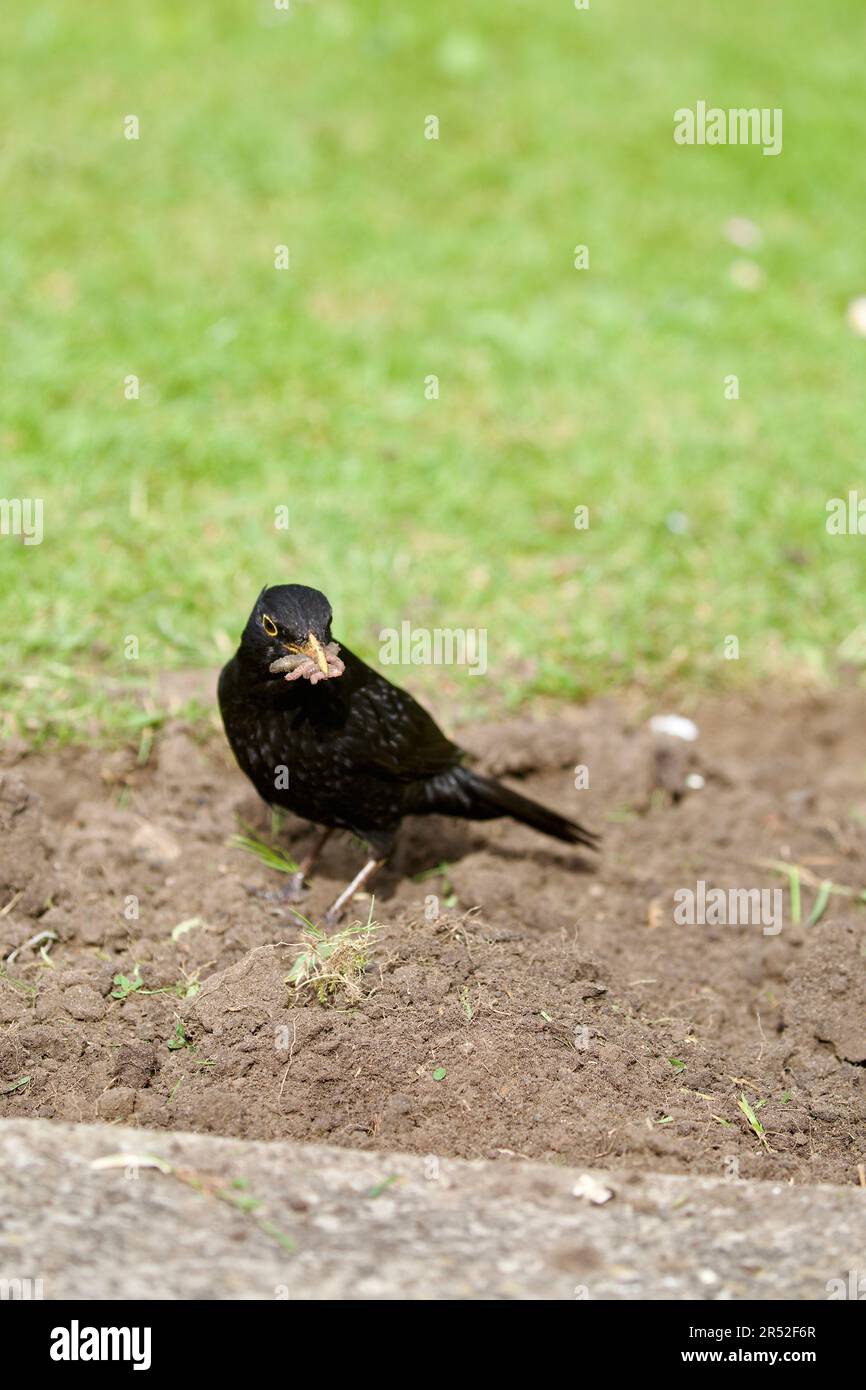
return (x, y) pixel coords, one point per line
(26, 879)
(520, 999)
(825, 1000)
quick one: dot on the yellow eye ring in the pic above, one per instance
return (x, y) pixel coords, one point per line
(269, 625)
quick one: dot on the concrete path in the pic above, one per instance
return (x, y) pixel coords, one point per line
(225, 1219)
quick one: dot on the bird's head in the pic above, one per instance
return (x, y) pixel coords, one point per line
(289, 634)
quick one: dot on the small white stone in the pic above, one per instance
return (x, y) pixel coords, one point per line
(676, 725)
(593, 1190)
(695, 781)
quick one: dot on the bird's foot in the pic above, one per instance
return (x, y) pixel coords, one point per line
(294, 889)
(338, 908)
(335, 914)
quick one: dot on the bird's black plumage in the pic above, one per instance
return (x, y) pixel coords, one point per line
(346, 748)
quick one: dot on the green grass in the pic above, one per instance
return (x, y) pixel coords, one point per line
(332, 965)
(304, 388)
(271, 855)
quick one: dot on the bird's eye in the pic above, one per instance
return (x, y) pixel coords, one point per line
(269, 625)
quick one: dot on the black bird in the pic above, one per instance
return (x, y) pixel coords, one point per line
(322, 734)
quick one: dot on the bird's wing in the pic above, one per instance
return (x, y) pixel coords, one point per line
(393, 736)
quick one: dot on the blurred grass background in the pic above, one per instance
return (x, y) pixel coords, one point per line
(412, 257)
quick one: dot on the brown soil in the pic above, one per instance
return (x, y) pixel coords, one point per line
(574, 1020)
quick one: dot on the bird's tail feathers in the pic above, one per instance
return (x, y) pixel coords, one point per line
(487, 799)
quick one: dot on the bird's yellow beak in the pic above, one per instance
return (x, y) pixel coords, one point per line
(313, 649)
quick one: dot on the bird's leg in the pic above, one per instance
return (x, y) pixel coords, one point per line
(295, 887)
(335, 911)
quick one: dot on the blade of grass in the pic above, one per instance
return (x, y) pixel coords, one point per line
(794, 886)
(820, 903)
(754, 1122)
(270, 855)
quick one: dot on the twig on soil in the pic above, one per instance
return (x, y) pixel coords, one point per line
(291, 1055)
(34, 940)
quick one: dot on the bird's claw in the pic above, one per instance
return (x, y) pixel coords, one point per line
(295, 889)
